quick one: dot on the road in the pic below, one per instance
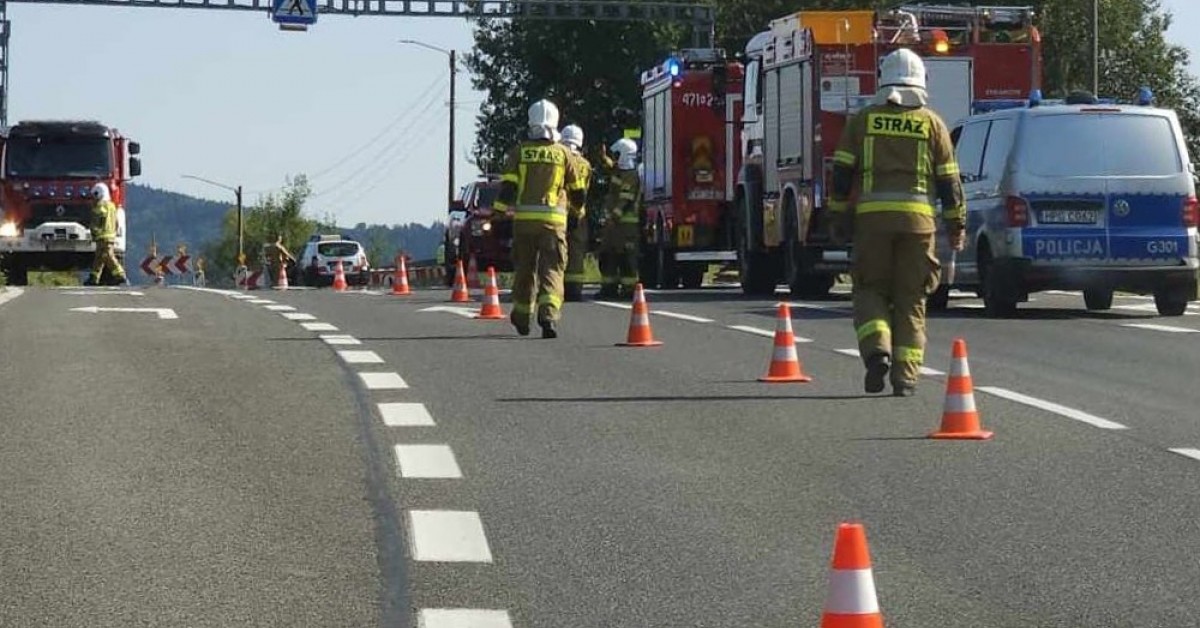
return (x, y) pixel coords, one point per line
(322, 459)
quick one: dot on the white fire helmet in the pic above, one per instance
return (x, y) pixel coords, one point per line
(902, 68)
(626, 150)
(543, 121)
(100, 192)
(572, 136)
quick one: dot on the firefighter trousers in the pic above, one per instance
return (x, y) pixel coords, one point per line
(619, 257)
(893, 273)
(539, 252)
(106, 257)
(577, 241)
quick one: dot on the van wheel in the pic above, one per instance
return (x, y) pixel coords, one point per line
(1171, 301)
(1098, 298)
(940, 299)
(997, 300)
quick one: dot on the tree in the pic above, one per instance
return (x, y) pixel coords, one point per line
(1133, 53)
(588, 69)
(274, 215)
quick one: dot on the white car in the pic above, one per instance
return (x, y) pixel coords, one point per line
(317, 261)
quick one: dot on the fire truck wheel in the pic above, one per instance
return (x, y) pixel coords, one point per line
(692, 277)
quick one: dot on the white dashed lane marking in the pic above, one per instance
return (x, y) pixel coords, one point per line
(340, 339)
(1190, 453)
(299, 316)
(383, 381)
(683, 317)
(463, 618)
(764, 332)
(1166, 328)
(448, 536)
(360, 357)
(925, 370)
(427, 462)
(1050, 406)
(260, 302)
(318, 327)
(281, 308)
(405, 415)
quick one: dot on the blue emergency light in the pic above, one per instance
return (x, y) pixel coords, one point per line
(1145, 97)
(673, 66)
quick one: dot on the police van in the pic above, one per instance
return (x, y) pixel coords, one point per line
(1081, 194)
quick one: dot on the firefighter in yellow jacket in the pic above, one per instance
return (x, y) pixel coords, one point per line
(895, 159)
(577, 226)
(621, 236)
(537, 173)
(104, 234)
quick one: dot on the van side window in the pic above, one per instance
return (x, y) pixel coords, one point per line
(969, 149)
(999, 144)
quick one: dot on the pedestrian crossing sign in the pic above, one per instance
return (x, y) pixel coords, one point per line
(294, 12)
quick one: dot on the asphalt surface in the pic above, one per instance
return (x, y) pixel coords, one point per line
(231, 467)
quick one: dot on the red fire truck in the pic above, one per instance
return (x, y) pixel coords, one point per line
(49, 168)
(689, 156)
(809, 73)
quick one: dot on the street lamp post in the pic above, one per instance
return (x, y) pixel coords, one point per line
(453, 54)
(1096, 47)
(237, 191)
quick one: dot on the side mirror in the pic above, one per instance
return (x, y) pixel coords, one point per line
(135, 148)
(135, 166)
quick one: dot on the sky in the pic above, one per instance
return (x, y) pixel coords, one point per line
(227, 96)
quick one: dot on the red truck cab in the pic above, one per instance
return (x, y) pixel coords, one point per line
(48, 170)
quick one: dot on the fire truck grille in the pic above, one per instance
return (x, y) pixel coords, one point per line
(60, 212)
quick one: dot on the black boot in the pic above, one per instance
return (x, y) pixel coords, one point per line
(522, 324)
(878, 366)
(549, 329)
(904, 390)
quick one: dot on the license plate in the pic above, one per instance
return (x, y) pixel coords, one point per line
(1068, 216)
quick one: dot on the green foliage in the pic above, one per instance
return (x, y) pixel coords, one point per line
(588, 69)
(54, 279)
(276, 214)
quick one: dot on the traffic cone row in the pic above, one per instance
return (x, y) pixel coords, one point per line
(491, 300)
(460, 293)
(400, 281)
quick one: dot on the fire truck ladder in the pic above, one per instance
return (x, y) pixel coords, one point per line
(702, 17)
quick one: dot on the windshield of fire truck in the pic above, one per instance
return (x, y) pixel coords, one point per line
(49, 157)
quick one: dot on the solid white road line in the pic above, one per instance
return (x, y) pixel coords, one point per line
(299, 316)
(1050, 406)
(405, 415)
(764, 332)
(383, 381)
(360, 357)
(8, 294)
(1168, 328)
(925, 370)
(448, 536)
(340, 339)
(463, 618)
(281, 308)
(1190, 453)
(427, 461)
(260, 302)
(619, 306)
(683, 317)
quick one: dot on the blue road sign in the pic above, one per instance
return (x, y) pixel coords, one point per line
(295, 12)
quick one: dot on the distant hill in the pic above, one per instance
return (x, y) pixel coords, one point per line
(173, 218)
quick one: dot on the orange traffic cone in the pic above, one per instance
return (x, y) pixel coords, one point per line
(960, 419)
(460, 293)
(491, 300)
(785, 364)
(281, 282)
(473, 274)
(339, 277)
(639, 323)
(400, 281)
(851, 601)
